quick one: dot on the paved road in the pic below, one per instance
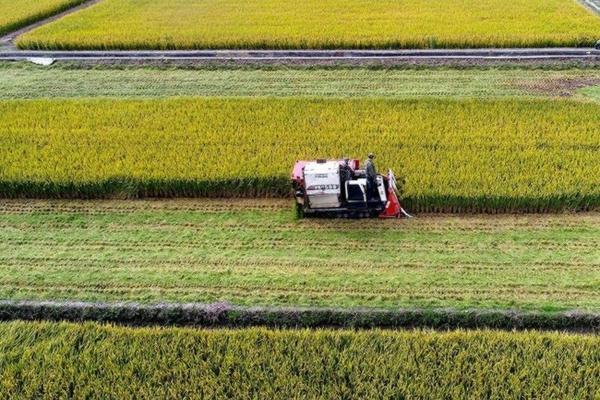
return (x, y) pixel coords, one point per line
(257, 55)
(593, 4)
(9, 53)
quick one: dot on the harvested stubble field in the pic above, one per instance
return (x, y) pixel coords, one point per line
(15, 14)
(60, 360)
(26, 81)
(473, 155)
(253, 252)
(321, 24)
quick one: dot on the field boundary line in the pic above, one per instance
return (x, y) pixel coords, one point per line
(7, 40)
(227, 315)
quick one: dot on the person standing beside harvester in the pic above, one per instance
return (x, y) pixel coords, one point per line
(371, 175)
(346, 174)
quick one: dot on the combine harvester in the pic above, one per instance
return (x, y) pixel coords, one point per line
(321, 189)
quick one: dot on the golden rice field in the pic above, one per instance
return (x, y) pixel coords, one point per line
(319, 24)
(501, 155)
(15, 14)
(61, 360)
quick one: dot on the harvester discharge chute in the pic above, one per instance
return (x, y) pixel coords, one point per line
(330, 187)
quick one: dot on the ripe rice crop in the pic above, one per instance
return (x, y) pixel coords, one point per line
(322, 24)
(62, 360)
(15, 14)
(471, 155)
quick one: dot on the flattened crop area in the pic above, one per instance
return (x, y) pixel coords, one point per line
(323, 24)
(254, 253)
(473, 155)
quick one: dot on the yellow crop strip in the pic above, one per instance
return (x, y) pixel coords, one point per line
(535, 155)
(17, 13)
(278, 24)
(43, 360)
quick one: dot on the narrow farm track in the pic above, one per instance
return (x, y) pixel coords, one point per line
(253, 252)
(310, 56)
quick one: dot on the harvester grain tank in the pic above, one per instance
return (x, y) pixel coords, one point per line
(321, 188)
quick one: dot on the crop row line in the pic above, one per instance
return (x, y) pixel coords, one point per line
(235, 243)
(191, 264)
(425, 292)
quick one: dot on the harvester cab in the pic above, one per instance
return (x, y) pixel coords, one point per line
(322, 187)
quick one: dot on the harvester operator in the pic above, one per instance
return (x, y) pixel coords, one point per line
(371, 173)
(346, 174)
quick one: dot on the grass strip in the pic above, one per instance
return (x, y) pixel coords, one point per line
(23, 81)
(230, 316)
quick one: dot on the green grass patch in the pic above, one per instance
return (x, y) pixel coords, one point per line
(22, 81)
(592, 92)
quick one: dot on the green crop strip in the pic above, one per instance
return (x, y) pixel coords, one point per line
(491, 156)
(253, 252)
(329, 24)
(60, 360)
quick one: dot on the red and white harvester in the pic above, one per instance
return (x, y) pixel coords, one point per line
(320, 189)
